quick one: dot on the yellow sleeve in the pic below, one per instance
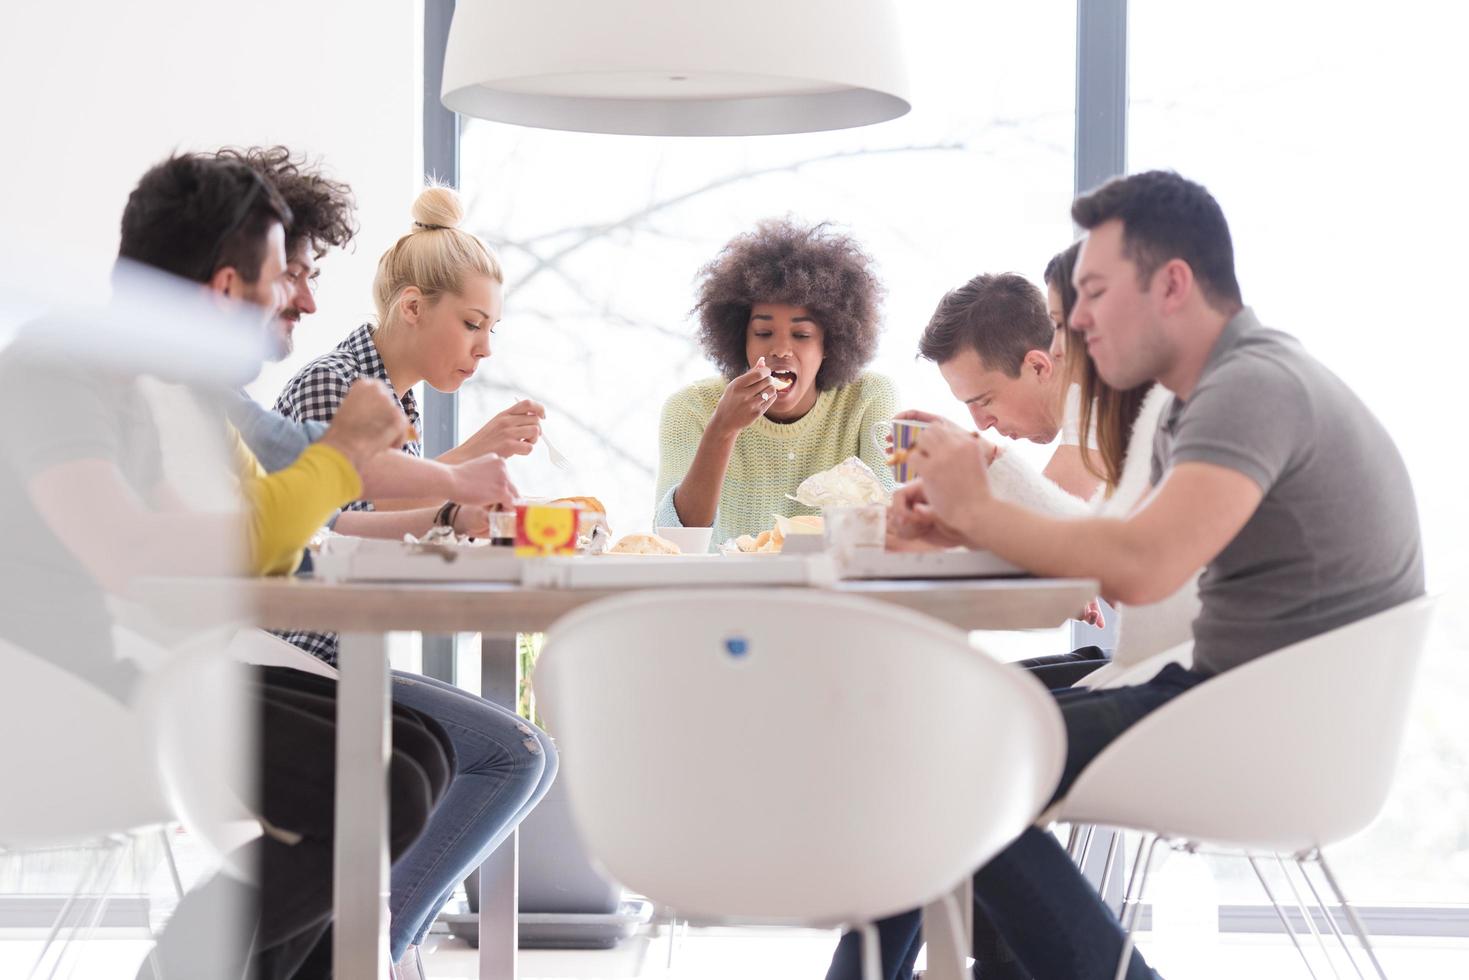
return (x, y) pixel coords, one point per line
(286, 507)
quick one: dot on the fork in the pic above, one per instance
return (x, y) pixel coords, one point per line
(558, 459)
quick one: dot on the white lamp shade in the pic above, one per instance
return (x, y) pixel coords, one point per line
(676, 67)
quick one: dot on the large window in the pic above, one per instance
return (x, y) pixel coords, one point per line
(602, 236)
(1328, 131)
(1319, 127)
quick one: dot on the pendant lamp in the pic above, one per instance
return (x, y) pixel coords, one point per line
(676, 67)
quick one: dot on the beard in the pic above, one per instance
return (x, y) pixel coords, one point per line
(1124, 369)
(282, 334)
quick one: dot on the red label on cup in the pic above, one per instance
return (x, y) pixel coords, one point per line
(546, 529)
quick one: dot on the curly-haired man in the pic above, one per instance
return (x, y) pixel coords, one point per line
(789, 316)
(323, 216)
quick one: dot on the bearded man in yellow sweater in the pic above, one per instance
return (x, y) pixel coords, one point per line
(789, 316)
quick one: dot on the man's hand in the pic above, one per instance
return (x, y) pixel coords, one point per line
(992, 450)
(927, 418)
(483, 481)
(910, 519)
(895, 542)
(951, 466)
(1091, 614)
(368, 421)
(514, 432)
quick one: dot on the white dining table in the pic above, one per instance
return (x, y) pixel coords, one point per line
(366, 613)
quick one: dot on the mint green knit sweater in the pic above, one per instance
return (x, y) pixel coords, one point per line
(770, 459)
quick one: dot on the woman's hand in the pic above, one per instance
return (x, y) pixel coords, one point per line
(472, 522)
(483, 481)
(514, 432)
(1091, 614)
(745, 399)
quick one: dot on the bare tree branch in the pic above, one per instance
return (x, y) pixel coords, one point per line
(590, 233)
(513, 388)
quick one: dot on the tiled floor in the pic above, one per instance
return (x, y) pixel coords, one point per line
(790, 954)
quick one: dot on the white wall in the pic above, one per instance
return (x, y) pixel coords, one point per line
(94, 92)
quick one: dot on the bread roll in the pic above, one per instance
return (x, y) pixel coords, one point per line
(585, 503)
(644, 544)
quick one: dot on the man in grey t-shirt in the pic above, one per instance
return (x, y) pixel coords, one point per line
(1270, 474)
(1334, 537)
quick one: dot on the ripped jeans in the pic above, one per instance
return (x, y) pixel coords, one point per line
(503, 767)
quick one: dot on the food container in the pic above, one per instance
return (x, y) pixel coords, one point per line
(502, 527)
(546, 529)
(850, 529)
(690, 540)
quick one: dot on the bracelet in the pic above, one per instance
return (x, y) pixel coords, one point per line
(446, 514)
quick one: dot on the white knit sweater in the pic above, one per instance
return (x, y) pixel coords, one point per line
(1149, 629)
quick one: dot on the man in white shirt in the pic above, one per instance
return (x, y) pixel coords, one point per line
(992, 340)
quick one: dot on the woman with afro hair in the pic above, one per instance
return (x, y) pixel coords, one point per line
(789, 316)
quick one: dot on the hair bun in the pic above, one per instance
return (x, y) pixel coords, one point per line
(437, 207)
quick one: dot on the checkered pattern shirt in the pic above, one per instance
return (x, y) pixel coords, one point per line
(313, 395)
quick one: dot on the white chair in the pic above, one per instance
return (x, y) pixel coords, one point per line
(78, 773)
(1114, 674)
(1284, 755)
(198, 717)
(825, 760)
(1111, 675)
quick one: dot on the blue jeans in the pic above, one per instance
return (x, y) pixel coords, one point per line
(1035, 915)
(503, 767)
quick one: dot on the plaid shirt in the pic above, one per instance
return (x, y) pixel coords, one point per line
(314, 395)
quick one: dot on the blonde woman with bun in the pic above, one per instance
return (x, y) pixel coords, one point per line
(438, 294)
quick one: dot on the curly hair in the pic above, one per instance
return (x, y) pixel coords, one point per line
(784, 262)
(323, 210)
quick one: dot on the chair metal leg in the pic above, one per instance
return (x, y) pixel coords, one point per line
(1086, 846)
(964, 896)
(173, 868)
(1131, 903)
(118, 852)
(945, 937)
(1131, 889)
(1308, 914)
(105, 896)
(1071, 839)
(871, 953)
(92, 871)
(1330, 916)
(1351, 915)
(1112, 849)
(1284, 919)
